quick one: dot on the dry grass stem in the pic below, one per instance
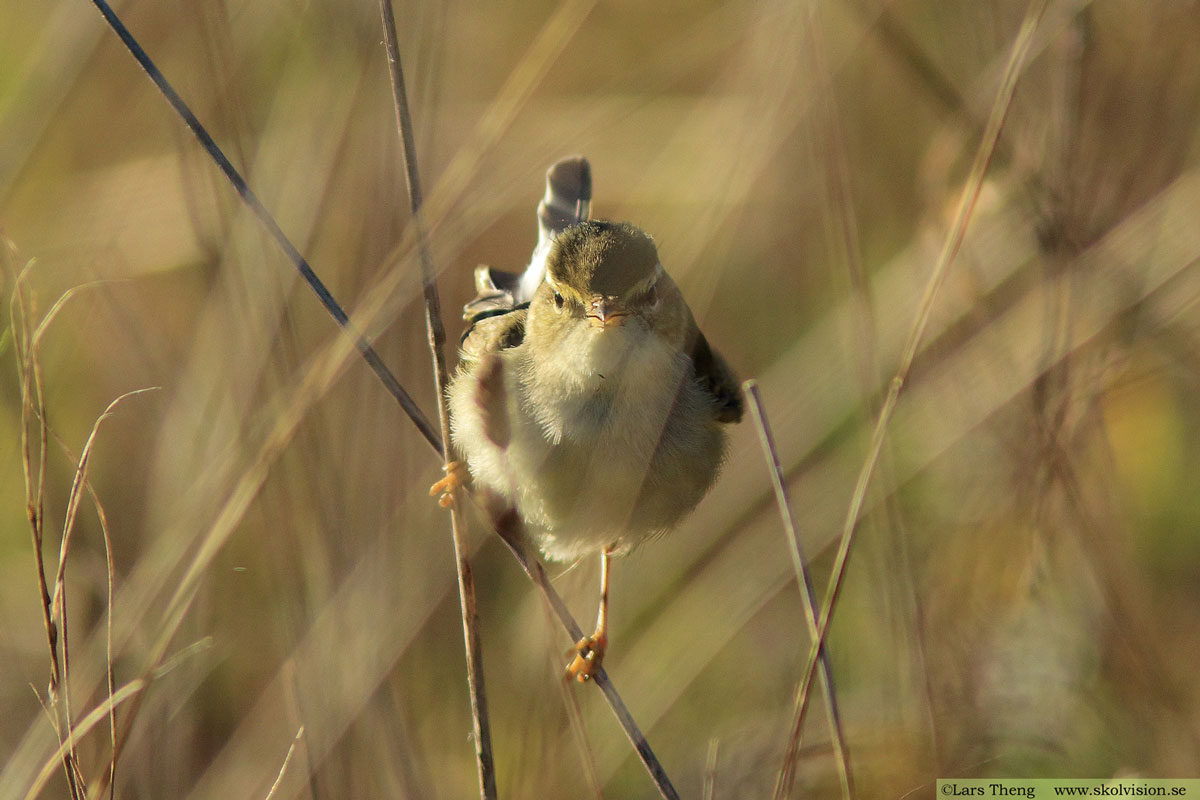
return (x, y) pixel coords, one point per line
(510, 528)
(33, 407)
(89, 720)
(973, 185)
(570, 701)
(110, 673)
(484, 759)
(783, 784)
(268, 222)
(845, 253)
(54, 605)
(59, 598)
(286, 759)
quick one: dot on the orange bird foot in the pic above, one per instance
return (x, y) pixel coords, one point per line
(589, 652)
(456, 477)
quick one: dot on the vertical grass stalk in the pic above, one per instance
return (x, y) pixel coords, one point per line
(484, 762)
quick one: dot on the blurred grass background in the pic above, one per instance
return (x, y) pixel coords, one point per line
(1024, 594)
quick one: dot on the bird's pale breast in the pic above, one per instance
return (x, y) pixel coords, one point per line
(612, 454)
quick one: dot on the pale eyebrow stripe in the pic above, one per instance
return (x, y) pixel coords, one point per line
(645, 284)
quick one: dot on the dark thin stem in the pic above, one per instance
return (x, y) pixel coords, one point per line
(252, 202)
(570, 699)
(512, 532)
(33, 407)
(809, 596)
(484, 761)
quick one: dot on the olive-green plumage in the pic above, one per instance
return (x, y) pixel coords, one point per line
(606, 258)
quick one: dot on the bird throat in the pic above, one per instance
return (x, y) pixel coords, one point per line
(610, 350)
(626, 373)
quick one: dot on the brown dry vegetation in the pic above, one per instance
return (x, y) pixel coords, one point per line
(1023, 596)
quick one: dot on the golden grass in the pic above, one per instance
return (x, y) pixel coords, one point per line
(1022, 596)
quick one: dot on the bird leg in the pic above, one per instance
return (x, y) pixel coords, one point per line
(589, 651)
(456, 476)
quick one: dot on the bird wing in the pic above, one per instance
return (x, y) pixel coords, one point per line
(493, 333)
(495, 320)
(715, 376)
(495, 293)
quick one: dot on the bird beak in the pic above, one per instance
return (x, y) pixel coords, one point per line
(606, 312)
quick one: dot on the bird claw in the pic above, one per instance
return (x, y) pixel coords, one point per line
(589, 652)
(456, 477)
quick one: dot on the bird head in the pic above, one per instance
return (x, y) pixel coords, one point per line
(604, 280)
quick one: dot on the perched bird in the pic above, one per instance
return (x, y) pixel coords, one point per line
(585, 397)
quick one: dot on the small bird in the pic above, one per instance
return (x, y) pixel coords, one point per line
(585, 396)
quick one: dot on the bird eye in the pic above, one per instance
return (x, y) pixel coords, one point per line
(558, 300)
(652, 296)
